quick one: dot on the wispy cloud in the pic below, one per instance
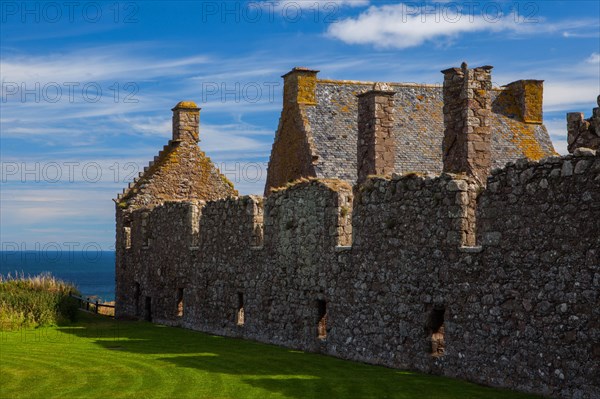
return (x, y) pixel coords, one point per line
(313, 4)
(405, 25)
(557, 128)
(94, 64)
(594, 59)
(41, 216)
(569, 86)
(569, 94)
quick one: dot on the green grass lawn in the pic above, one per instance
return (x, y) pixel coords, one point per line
(100, 358)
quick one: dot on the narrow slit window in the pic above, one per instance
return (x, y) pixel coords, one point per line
(137, 295)
(180, 302)
(240, 310)
(322, 319)
(127, 236)
(436, 328)
(145, 230)
(148, 309)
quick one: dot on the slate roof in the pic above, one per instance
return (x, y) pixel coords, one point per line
(419, 129)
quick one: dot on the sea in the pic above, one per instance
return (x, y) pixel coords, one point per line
(92, 272)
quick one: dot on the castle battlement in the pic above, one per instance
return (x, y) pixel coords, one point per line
(490, 274)
(459, 212)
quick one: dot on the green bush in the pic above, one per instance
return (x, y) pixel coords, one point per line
(35, 301)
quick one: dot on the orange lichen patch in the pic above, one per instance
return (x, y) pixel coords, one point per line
(522, 134)
(307, 87)
(524, 138)
(505, 104)
(186, 104)
(532, 101)
(528, 96)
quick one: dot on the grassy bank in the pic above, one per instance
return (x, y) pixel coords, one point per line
(27, 302)
(98, 357)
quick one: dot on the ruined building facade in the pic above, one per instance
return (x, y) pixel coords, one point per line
(418, 227)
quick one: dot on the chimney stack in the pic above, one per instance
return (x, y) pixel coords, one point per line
(467, 132)
(186, 122)
(376, 151)
(300, 86)
(528, 95)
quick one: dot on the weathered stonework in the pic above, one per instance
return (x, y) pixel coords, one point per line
(528, 95)
(497, 284)
(293, 154)
(180, 172)
(584, 133)
(376, 150)
(467, 108)
(520, 311)
(318, 129)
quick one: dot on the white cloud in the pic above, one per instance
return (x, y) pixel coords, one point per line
(405, 25)
(93, 65)
(557, 128)
(568, 86)
(34, 214)
(594, 58)
(320, 5)
(24, 205)
(568, 94)
(580, 35)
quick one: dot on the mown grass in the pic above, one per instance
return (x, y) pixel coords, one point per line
(35, 301)
(98, 357)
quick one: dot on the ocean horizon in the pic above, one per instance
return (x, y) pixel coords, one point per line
(93, 273)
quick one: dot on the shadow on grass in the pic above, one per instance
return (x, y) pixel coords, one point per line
(292, 374)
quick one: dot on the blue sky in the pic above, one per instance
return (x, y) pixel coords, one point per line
(87, 87)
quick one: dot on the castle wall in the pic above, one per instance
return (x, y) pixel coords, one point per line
(527, 305)
(519, 303)
(405, 231)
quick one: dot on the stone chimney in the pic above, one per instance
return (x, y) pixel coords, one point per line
(186, 122)
(376, 151)
(529, 96)
(299, 86)
(467, 133)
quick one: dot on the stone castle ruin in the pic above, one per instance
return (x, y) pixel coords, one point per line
(421, 227)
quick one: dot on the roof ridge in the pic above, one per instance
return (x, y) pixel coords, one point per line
(397, 84)
(360, 82)
(147, 170)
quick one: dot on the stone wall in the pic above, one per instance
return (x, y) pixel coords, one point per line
(402, 285)
(180, 172)
(584, 133)
(527, 305)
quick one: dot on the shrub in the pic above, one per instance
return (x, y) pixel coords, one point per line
(35, 301)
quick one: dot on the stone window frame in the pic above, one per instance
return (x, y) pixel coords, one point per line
(321, 305)
(435, 329)
(180, 304)
(240, 315)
